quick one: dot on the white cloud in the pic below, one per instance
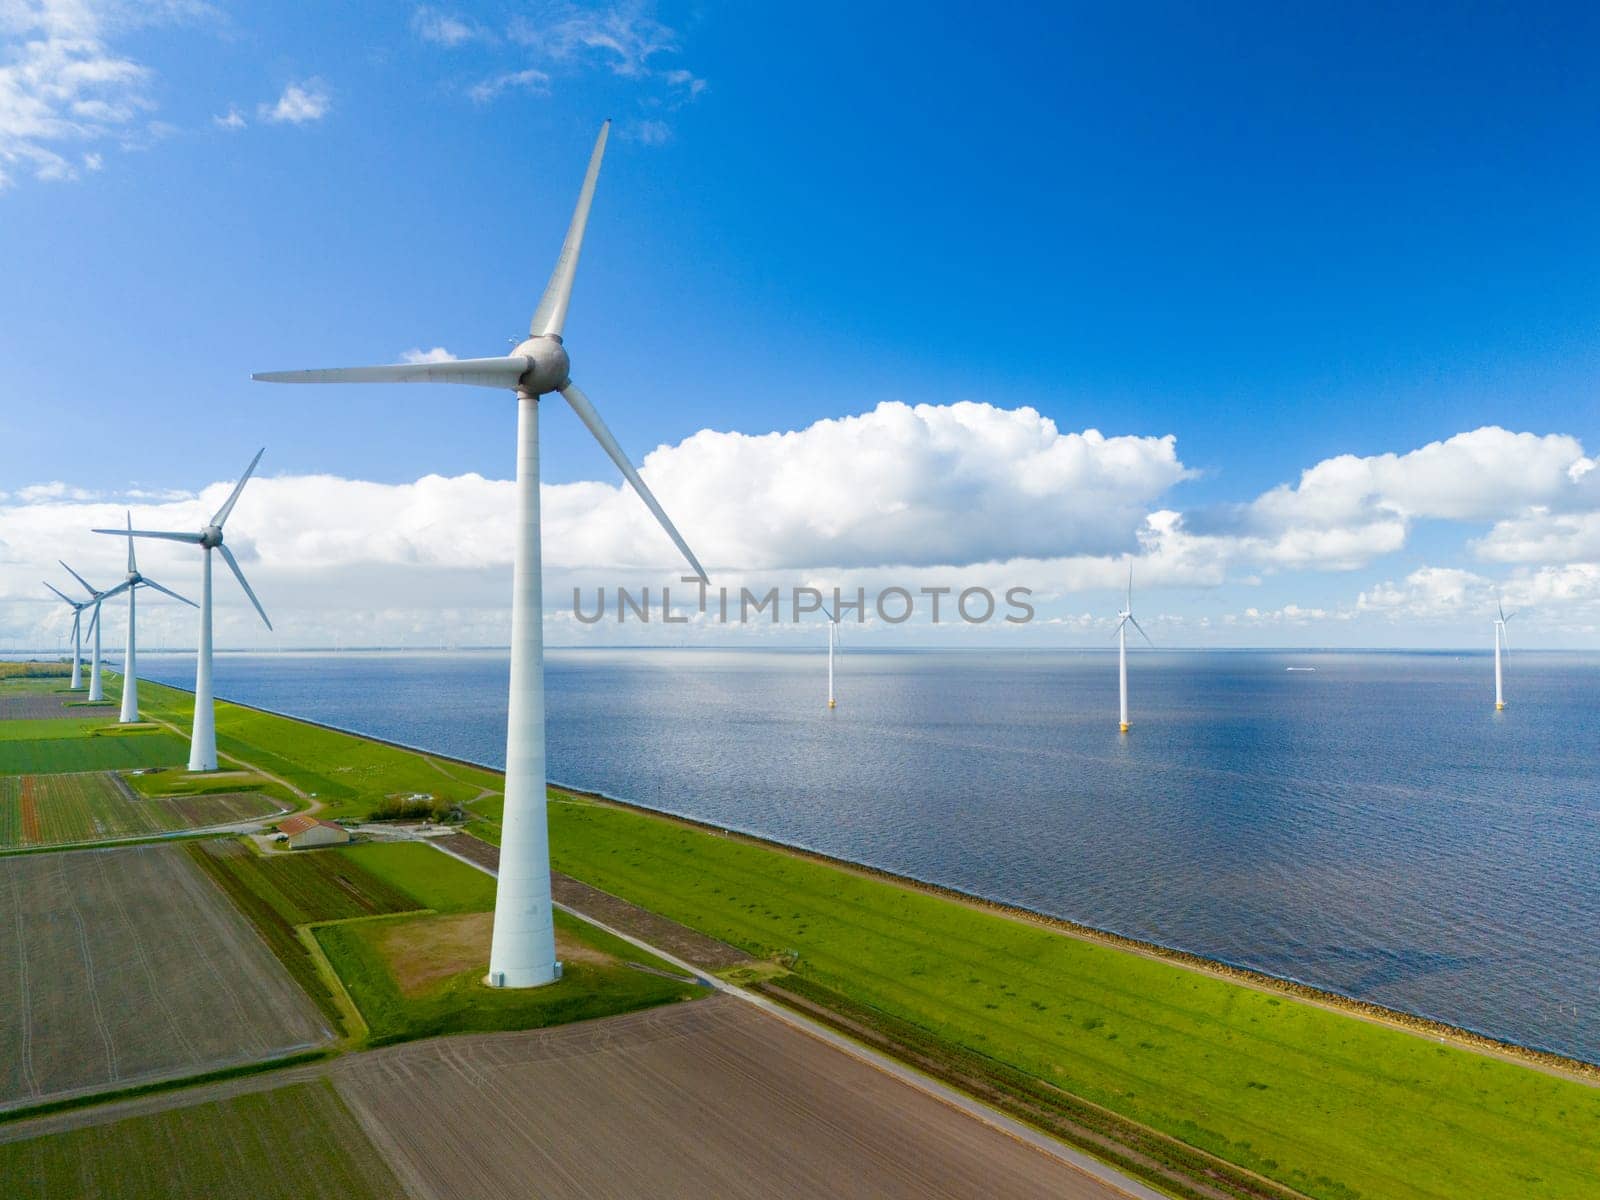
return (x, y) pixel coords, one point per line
(301, 103)
(533, 81)
(625, 37)
(62, 84)
(1430, 592)
(1542, 536)
(688, 81)
(233, 119)
(437, 355)
(443, 28)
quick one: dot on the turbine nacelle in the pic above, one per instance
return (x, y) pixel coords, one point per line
(549, 368)
(211, 537)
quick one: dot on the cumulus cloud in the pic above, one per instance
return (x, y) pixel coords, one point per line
(301, 103)
(231, 120)
(1430, 592)
(437, 355)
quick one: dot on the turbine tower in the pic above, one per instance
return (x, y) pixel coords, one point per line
(523, 953)
(1124, 619)
(135, 581)
(96, 599)
(77, 634)
(833, 641)
(203, 736)
(1499, 641)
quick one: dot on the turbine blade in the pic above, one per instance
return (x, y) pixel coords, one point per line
(116, 591)
(1118, 629)
(63, 595)
(551, 315)
(151, 533)
(80, 578)
(233, 565)
(473, 372)
(1142, 633)
(587, 414)
(1501, 608)
(93, 621)
(133, 565)
(166, 591)
(233, 497)
(1509, 615)
(1130, 586)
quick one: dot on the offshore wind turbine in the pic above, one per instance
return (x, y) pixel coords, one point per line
(130, 663)
(833, 641)
(77, 634)
(522, 952)
(96, 599)
(1124, 619)
(1499, 641)
(203, 735)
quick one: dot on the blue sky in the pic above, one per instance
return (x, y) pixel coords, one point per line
(1279, 234)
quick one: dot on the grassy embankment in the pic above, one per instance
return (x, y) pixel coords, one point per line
(1329, 1104)
(295, 1143)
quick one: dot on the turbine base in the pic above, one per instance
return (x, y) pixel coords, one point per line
(1123, 727)
(831, 704)
(1498, 706)
(530, 977)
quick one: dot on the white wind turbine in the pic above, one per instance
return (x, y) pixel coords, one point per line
(1124, 619)
(1500, 641)
(203, 738)
(77, 634)
(130, 664)
(96, 599)
(522, 953)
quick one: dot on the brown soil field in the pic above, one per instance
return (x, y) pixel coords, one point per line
(678, 940)
(706, 1099)
(40, 705)
(128, 965)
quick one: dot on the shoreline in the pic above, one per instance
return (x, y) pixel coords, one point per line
(1579, 1069)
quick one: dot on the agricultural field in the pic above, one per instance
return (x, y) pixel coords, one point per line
(432, 879)
(298, 1142)
(34, 670)
(1277, 1085)
(351, 775)
(126, 965)
(43, 810)
(90, 752)
(709, 1099)
(421, 976)
(43, 702)
(281, 891)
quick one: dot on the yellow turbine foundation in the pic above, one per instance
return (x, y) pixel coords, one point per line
(1122, 727)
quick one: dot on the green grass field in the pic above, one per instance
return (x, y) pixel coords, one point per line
(432, 879)
(293, 1143)
(1332, 1105)
(279, 892)
(91, 806)
(349, 774)
(53, 756)
(449, 995)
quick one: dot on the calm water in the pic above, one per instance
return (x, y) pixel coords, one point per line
(1372, 827)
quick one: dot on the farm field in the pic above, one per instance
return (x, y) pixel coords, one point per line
(41, 810)
(44, 701)
(91, 752)
(282, 891)
(432, 879)
(126, 965)
(1277, 1085)
(421, 976)
(298, 1142)
(716, 1099)
(350, 774)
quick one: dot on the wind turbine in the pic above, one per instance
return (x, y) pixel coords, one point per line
(96, 691)
(203, 737)
(522, 952)
(833, 640)
(135, 581)
(77, 634)
(1124, 619)
(1499, 640)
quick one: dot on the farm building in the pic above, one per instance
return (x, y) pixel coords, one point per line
(303, 831)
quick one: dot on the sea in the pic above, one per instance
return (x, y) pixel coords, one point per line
(1364, 822)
